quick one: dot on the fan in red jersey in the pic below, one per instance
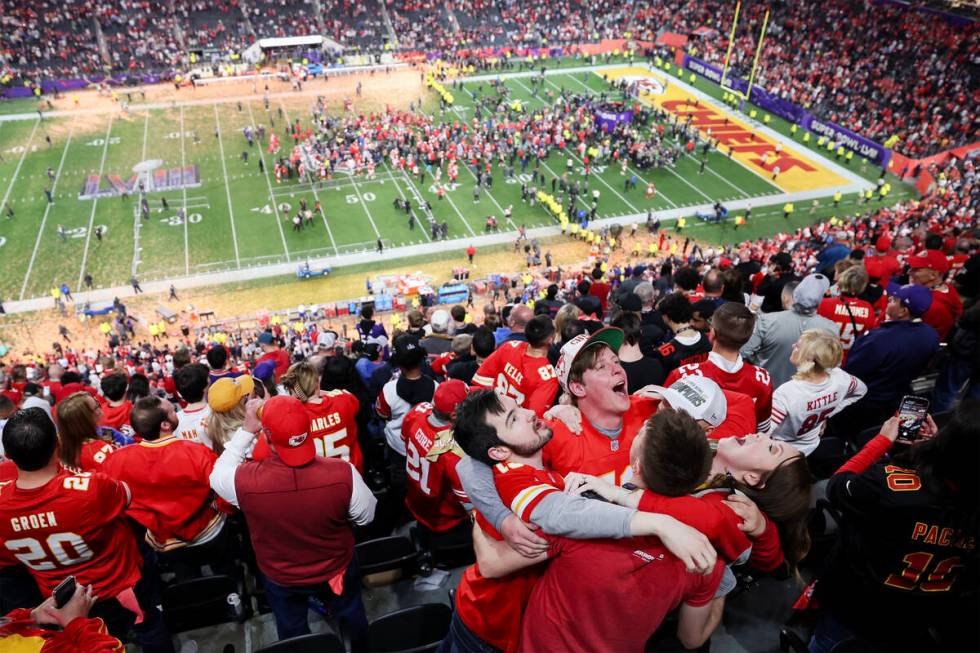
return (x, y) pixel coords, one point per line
(59, 523)
(333, 416)
(115, 413)
(852, 315)
(85, 446)
(929, 269)
(731, 327)
(434, 494)
(521, 370)
(25, 630)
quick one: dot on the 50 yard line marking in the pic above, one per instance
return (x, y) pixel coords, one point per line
(224, 169)
(47, 209)
(272, 195)
(95, 203)
(428, 227)
(187, 249)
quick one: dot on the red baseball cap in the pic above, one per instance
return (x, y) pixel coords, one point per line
(287, 426)
(448, 396)
(883, 244)
(932, 259)
(875, 267)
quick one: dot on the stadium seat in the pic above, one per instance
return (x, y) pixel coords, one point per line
(203, 602)
(318, 643)
(386, 559)
(823, 524)
(418, 629)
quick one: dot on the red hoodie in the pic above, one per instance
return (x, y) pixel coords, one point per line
(117, 417)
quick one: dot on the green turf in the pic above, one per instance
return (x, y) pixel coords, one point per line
(239, 216)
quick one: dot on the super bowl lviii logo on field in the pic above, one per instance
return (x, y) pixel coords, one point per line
(152, 174)
(645, 84)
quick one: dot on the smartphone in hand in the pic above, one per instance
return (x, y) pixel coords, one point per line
(63, 592)
(912, 413)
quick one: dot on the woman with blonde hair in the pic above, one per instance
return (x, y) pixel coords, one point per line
(332, 413)
(818, 390)
(226, 397)
(84, 445)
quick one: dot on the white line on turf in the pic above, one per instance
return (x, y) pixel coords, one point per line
(137, 227)
(187, 247)
(23, 154)
(47, 209)
(272, 195)
(224, 170)
(366, 210)
(95, 203)
(425, 229)
(316, 197)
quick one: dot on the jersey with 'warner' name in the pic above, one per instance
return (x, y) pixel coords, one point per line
(747, 378)
(71, 525)
(852, 316)
(800, 409)
(492, 608)
(594, 453)
(333, 428)
(530, 380)
(433, 493)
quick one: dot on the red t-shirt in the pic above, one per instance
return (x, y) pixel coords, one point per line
(72, 525)
(492, 608)
(609, 595)
(434, 493)
(281, 359)
(117, 417)
(530, 380)
(185, 511)
(600, 289)
(708, 513)
(591, 452)
(94, 454)
(750, 380)
(333, 427)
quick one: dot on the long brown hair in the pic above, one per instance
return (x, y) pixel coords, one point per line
(785, 498)
(76, 424)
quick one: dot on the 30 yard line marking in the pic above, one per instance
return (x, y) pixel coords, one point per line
(95, 203)
(47, 209)
(137, 227)
(272, 196)
(187, 249)
(224, 170)
(425, 232)
(23, 154)
(316, 197)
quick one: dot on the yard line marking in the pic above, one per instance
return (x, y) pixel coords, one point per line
(315, 196)
(272, 196)
(425, 232)
(366, 211)
(23, 155)
(95, 203)
(187, 248)
(40, 231)
(224, 170)
(137, 227)
(574, 156)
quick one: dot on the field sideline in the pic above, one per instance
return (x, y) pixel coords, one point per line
(236, 220)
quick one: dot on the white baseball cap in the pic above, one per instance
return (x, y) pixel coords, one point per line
(326, 340)
(611, 336)
(699, 397)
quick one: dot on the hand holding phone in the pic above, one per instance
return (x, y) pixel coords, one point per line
(63, 592)
(912, 413)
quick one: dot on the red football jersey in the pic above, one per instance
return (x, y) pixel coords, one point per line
(493, 608)
(433, 494)
(117, 417)
(749, 379)
(72, 525)
(591, 452)
(530, 380)
(333, 427)
(93, 455)
(852, 316)
(185, 512)
(740, 419)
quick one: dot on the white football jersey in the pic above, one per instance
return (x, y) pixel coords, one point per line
(190, 424)
(800, 408)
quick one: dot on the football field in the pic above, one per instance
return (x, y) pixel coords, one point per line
(212, 211)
